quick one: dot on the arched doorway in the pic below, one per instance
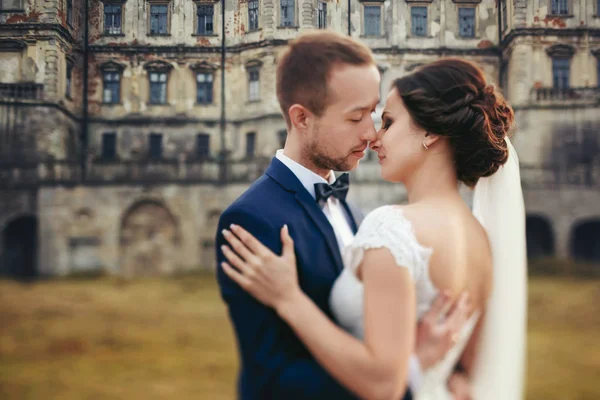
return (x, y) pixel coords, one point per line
(19, 248)
(149, 240)
(585, 241)
(540, 239)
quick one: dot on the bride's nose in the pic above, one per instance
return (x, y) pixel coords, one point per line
(376, 144)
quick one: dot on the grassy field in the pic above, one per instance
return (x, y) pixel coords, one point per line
(171, 339)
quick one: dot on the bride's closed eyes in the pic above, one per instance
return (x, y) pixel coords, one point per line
(387, 122)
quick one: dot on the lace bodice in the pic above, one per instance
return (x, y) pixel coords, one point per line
(388, 227)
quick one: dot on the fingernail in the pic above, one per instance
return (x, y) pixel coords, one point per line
(233, 226)
(223, 247)
(225, 232)
(285, 227)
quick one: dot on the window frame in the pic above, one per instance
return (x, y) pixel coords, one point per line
(103, 155)
(159, 3)
(112, 3)
(412, 24)
(200, 4)
(372, 5)
(290, 22)
(257, 19)
(474, 27)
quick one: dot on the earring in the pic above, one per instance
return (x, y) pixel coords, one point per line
(425, 145)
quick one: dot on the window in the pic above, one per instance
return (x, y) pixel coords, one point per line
(282, 136)
(156, 147)
(112, 87)
(250, 144)
(560, 73)
(11, 5)
(205, 14)
(158, 87)
(418, 21)
(159, 14)
(598, 71)
(69, 78)
(372, 20)
(466, 22)
(252, 15)
(112, 19)
(253, 84)
(204, 88)
(70, 12)
(287, 12)
(322, 15)
(202, 145)
(109, 145)
(560, 7)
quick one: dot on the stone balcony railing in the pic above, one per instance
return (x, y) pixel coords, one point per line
(555, 176)
(155, 172)
(22, 91)
(105, 172)
(574, 95)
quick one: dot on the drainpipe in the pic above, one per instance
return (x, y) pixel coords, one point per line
(222, 158)
(349, 24)
(84, 119)
(500, 47)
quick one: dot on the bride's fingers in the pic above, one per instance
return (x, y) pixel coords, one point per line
(437, 310)
(458, 315)
(235, 276)
(235, 259)
(251, 242)
(238, 246)
(288, 243)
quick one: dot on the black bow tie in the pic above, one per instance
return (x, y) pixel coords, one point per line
(339, 189)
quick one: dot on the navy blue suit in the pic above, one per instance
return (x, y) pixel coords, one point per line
(274, 362)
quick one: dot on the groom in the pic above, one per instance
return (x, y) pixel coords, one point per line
(327, 87)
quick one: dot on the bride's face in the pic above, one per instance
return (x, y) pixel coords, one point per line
(399, 143)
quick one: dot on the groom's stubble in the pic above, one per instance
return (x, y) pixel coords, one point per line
(320, 155)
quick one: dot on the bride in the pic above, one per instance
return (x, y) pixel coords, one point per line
(441, 125)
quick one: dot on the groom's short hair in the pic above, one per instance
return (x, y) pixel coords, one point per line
(303, 71)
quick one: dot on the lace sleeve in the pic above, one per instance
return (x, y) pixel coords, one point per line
(387, 227)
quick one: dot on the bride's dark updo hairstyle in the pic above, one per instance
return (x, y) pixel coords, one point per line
(451, 98)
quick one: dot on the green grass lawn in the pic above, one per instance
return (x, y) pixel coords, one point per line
(170, 339)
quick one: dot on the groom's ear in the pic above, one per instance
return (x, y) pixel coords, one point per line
(299, 116)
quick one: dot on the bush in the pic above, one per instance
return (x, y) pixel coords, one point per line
(551, 266)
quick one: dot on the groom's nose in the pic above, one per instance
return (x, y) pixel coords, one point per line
(370, 134)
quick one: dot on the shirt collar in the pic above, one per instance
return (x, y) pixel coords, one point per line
(307, 177)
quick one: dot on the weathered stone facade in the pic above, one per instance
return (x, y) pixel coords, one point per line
(149, 207)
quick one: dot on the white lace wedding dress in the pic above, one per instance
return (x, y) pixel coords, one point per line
(387, 227)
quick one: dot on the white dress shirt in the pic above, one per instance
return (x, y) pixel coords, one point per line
(340, 221)
(333, 209)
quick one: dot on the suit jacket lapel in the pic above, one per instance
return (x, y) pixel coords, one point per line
(286, 178)
(319, 218)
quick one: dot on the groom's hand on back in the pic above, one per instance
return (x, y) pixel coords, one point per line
(438, 330)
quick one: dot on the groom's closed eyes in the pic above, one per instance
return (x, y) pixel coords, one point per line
(358, 113)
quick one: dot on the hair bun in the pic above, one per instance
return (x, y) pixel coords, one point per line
(450, 97)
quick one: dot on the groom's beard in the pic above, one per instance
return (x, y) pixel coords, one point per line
(320, 159)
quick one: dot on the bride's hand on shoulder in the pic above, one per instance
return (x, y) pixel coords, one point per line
(271, 279)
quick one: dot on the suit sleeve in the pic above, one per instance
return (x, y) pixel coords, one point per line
(271, 354)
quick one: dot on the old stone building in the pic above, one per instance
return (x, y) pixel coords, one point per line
(125, 161)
